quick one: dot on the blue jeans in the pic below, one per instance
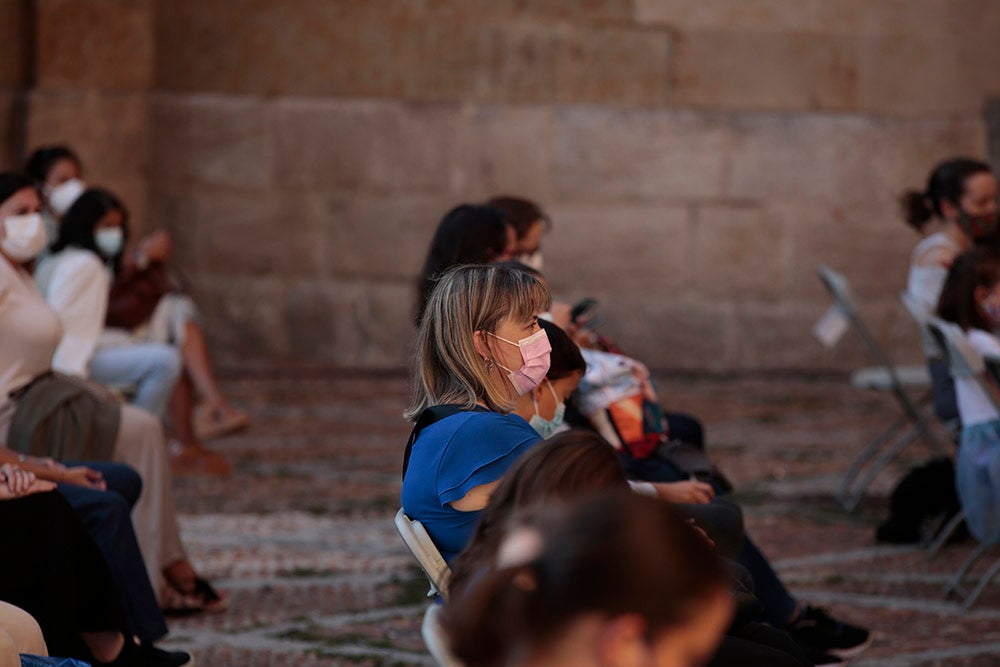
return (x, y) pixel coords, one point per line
(107, 517)
(152, 369)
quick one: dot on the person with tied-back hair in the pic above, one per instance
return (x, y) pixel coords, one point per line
(467, 234)
(616, 580)
(957, 208)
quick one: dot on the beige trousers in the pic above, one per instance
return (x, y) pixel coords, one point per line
(19, 633)
(141, 444)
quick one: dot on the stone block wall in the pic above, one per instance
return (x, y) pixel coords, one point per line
(698, 158)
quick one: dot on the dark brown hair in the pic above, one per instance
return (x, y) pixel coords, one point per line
(566, 466)
(979, 267)
(521, 213)
(946, 182)
(615, 553)
(566, 357)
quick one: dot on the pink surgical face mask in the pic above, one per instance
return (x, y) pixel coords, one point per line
(535, 352)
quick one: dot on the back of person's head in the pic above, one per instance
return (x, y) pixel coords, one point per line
(41, 161)
(447, 367)
(11, 182)
(77, 227)
(566, 467)
(467, 234)
(945, 183)
(522, 214)
(624, 562)
(565, 358)
(972, 276)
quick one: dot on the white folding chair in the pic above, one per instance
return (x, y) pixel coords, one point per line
(433, 565)
(422, 547)
(881, 377)
(965, 362)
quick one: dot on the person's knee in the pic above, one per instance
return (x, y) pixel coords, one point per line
(21, 630)
(167, 362)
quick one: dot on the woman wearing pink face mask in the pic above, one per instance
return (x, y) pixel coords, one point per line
(478, 349)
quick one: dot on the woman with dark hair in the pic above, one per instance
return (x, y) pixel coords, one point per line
(56, 172)
(614, 580)
(43, 414)
(957, 208)
(529, 222)
(467, 234)
(76, 283)
(971, 299)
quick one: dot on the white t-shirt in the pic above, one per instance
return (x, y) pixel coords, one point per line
(76, 284)
(974, 406)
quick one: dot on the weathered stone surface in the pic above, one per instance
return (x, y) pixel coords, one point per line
(12, 119)
(331, 48)
(102, 44)
(752, 15)
(628, 249)
(505, 149)
(740, 253)
(379, 238)
(243, 316)
(739, 69)
(364, 146)
(14, 43)
(815, 157)
(211, 141)
(638, 155)
(348, 324)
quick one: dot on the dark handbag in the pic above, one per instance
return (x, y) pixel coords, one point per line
(134, 297)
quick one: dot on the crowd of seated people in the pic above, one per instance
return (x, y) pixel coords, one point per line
(88, 320)
(492, 377)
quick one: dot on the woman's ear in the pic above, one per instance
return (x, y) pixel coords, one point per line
(949, 209)
(481, 345)
(622, 642)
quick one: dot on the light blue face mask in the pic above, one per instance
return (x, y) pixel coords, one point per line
(546, 427)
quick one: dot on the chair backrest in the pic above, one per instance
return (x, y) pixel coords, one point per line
(919, 313)
(420, 544)
(838, 287)
(435, 639)
(962, 359)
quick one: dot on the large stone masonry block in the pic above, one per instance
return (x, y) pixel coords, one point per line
(740, 252)
(776, 15)
(843, 159)
(108, 130)
(314, 48)
(243, 316)
(380, 238)
(103, 44)
(15, 43)
(671, 333)
(630, 249)
(12, 112)
(765, 70)
(925, 143)
(255, 233)
(639, 156)
(778, 336)
(360, 325)
(365, 146)
(871, 246)
(505, 149)
(211, 140)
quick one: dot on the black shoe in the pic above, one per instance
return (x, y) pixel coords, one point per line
(147, 655)
(815, 629)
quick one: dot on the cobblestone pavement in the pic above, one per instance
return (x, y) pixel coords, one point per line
(301, 534)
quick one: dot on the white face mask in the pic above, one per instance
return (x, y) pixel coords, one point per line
(62, 196)
(534, 260)
(109, 241)
(24, 236)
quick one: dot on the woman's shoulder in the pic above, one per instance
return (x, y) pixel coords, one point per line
(492, 422)
(938, 249)
(983, 342)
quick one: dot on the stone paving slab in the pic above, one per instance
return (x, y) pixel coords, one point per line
(301, 534)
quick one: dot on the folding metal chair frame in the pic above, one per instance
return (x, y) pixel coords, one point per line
(850, 494)
(964, 364)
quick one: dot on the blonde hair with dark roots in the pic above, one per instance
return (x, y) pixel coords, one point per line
(447, 369)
